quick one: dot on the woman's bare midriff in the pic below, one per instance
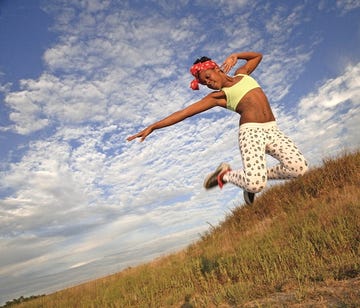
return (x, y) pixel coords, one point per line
(254, 107)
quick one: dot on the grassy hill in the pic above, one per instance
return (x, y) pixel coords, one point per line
(297, 245)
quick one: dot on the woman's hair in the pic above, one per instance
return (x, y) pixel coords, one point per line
(201, 60)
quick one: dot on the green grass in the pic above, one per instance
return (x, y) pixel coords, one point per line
(296, 238)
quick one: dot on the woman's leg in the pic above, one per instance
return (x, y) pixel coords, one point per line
(292, 162)
(253, 176)
(254, 141)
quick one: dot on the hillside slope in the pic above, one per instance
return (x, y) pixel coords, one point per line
(297, 245)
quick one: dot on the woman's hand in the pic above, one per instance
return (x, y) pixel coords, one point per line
(252, 61)
(229, 63)
(143, 134)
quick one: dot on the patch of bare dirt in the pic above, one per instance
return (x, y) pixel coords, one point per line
(334, 293)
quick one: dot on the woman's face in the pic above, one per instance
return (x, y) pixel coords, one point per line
(211, 78)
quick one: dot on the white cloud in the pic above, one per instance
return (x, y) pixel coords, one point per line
(341, 6)
(347, 5)
(329, 117)
(334, 92)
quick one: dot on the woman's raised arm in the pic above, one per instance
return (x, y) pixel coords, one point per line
(252, 61)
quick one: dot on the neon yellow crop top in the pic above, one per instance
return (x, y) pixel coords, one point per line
(235, 93)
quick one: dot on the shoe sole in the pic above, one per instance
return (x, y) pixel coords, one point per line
(212, 177)
(249, 197)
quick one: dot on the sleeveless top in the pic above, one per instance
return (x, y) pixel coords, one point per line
(235, 93)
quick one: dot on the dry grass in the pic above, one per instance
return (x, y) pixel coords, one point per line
(293, 246)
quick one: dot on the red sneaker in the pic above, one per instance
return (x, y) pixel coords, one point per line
(215, 179)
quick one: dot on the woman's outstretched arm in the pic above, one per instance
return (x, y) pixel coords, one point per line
(209, 101)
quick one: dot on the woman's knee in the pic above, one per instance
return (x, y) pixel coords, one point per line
(255, 184)
(302, 167)
(293, 169)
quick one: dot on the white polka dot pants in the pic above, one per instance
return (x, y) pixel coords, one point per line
(256, 140)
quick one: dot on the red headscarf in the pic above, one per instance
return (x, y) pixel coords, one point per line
(197, 68)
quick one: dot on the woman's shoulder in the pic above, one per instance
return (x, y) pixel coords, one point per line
(241, 71)
(219, 96)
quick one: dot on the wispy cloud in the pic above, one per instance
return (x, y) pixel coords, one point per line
(331, 114)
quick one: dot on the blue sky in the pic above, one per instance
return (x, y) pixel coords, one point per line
(77, 77)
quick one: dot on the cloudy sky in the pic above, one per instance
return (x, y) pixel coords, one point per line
(77, 77)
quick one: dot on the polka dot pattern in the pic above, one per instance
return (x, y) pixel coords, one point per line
(256, 140)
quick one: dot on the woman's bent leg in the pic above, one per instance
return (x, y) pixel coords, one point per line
(292, 162)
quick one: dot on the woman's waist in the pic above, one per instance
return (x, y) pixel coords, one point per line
(256, 116)
(269, 124)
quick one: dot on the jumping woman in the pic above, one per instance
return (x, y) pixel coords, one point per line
(258, 132)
